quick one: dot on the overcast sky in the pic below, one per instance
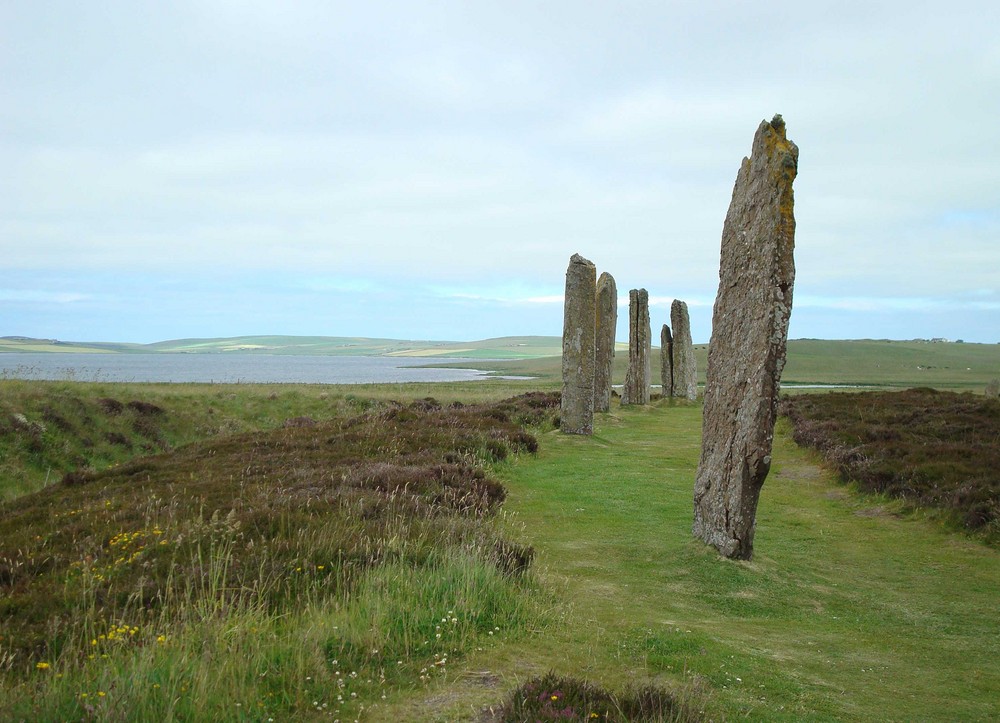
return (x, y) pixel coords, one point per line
(424, 170)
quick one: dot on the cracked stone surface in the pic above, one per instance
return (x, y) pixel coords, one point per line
(747, 351)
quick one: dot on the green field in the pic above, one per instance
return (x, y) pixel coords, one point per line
(876, 364)
(854, 608)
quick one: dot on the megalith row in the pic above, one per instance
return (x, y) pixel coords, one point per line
(590, 317)
(747, 351)
(684, 369)
(607, 325)
(666, 360)
(678, 368)
(638, 375)
(590, 320)
(576, 413)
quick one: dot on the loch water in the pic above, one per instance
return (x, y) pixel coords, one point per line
(231, 368)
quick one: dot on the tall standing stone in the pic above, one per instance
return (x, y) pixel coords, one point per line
(666, 361)
(637, 378)
(607, 325)
(579, 321)
(684, 365)
(747, 351)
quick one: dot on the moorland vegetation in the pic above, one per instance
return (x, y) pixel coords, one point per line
(932, 449)
(251, 552)
(304, 569)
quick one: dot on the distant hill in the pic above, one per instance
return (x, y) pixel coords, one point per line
(877, 362)
(521, 347)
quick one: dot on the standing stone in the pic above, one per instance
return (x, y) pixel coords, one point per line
(684, 365)
(607, 325)
(747, 351)
(637, 378)
(993, 388)
(666, 361)
(579, 320)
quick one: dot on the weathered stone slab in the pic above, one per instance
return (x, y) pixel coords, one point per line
(685, 368)
(637, 378)
(747, 351)
(607, 325)
(666, 361)
(579, 327)
(993, 388)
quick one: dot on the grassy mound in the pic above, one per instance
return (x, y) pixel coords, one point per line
(930, 448)
(380, 522)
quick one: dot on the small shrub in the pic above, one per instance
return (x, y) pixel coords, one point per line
(512, 558)
(146, 408)
(119, 439)
(556, 698)
(110, 406)
(298, 422)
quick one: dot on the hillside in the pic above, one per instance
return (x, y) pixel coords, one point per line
(864, 362)
(501, 348)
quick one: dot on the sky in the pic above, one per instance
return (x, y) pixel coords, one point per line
(212, 168)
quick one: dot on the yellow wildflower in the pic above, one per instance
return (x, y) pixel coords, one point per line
(42, 666)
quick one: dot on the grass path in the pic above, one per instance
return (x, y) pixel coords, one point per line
(847, 612)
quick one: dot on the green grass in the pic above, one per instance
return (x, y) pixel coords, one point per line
(849, 611)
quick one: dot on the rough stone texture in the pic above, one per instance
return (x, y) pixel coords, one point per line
(993, 388)
(579, 321)
(667, 361)
(684, 365)
(637, 378)
(607, 324)
(747, 351)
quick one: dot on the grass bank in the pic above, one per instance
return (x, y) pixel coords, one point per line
(48, 429)
(302, 571)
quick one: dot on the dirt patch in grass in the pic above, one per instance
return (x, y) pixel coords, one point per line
(930, 448)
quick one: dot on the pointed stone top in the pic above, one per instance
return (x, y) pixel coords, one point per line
(771, 140)
(578, 259)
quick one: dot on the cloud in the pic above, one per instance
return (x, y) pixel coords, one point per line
(455, 155)
(908, 304)
(32, 296)
(504, 295)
